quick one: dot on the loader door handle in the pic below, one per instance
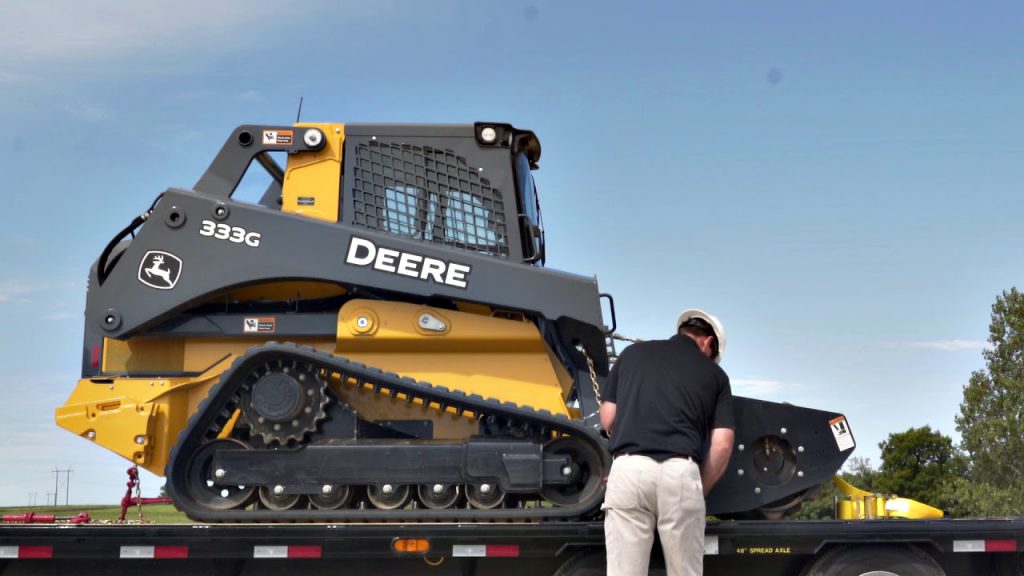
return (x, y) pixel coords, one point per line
(611, 308)
(531, 233)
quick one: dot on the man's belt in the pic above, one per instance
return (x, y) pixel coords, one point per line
(683, 456)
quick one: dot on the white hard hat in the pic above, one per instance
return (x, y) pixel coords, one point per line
(712, 321)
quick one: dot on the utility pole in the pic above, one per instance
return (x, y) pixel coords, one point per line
(56, 484)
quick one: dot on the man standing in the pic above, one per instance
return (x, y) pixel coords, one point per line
(663, 403)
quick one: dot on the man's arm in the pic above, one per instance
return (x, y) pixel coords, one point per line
(718, 455)
(608, 416)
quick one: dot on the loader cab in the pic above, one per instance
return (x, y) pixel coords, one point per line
(466, 187)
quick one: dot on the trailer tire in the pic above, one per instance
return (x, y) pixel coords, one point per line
(594, 563)
(875, 561)
(585, 563)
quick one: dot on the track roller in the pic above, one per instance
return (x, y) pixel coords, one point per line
(484, 496)
(389, 496)
(275, 498)
(438, 496)
(331, 497)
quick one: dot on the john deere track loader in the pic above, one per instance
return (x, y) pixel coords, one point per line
(375, 340)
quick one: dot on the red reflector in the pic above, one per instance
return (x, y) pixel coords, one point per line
(96, 356)
(503, 550)
(35, 552)
(170, 552)
(303, 551)
(1000, 545)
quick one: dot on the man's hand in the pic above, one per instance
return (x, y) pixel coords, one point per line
(608, 417)
(718, 455)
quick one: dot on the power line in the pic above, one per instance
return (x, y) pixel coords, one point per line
(67, 484)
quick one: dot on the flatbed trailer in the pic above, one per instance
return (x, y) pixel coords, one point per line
(773, 548)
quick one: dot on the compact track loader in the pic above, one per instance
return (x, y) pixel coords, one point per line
(376, 340)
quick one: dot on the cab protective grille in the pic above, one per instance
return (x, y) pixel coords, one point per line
(429, 194)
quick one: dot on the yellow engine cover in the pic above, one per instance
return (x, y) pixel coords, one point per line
(500, 358)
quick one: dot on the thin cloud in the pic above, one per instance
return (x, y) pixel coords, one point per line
(11, 292)
(943, 345)
(88, 112)
(83, 31)
(251, 96)
(43, 37)
(62, 315)
(755, 386)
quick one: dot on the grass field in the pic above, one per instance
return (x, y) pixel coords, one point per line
(155, 513)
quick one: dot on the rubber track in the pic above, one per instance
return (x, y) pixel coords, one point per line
(222, 400)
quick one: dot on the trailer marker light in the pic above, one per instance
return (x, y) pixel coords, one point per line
(25, 552)
(304, 551)
(1000, 545)
(984, 546)
(287, 552)
(95, 360)
(411, 545)
(503, 551)
(485, 551)
(154, 552)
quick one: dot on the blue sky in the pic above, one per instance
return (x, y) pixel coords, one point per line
(839, 182)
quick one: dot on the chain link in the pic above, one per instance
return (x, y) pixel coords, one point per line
(138, 492)
(593, 373)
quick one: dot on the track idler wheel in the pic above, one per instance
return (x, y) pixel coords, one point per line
(484, 496)
(331, 497)
(438, 496)
(202, 478)
(584, 472)
(276, 499)
(389, 496)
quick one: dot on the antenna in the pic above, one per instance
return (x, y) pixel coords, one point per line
(299, 114)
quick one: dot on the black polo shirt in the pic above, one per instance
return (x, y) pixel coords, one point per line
(668, 396)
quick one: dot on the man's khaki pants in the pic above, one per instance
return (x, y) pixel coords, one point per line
(643, 494)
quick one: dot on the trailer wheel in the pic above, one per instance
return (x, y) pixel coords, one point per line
(594, 563)
(875, 561)
(585, 563)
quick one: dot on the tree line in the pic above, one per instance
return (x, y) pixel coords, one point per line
(980, 477)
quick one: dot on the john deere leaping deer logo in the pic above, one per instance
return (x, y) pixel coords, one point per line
(159, 270)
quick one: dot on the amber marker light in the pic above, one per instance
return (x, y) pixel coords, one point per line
(410, 545)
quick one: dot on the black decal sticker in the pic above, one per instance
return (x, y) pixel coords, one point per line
(159, 270)
(259, 325)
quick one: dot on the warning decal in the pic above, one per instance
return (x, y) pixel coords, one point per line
(841, 430)
(274, 137)
(259, 325)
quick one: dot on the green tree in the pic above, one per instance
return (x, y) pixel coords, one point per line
(963, 497)
(991, 419)
(917, 463)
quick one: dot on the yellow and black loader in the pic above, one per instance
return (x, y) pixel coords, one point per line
(377, 339)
